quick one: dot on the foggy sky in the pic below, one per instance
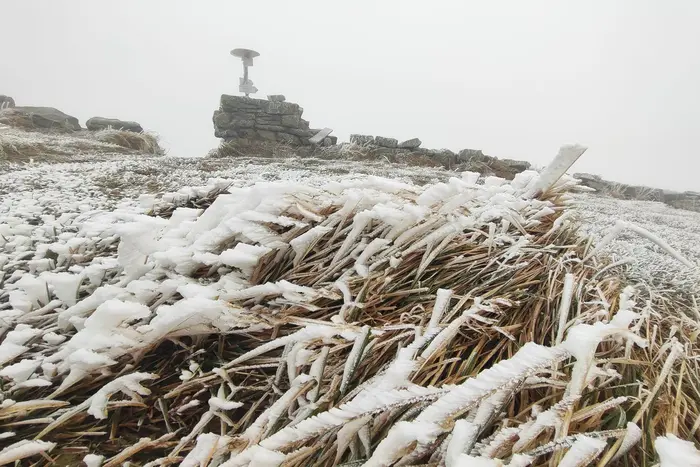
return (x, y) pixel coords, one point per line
(514, 78)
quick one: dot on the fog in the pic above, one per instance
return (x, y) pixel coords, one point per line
(515, 79)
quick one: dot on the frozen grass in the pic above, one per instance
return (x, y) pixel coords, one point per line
(20, 147)
(306, 312)
(368, 322)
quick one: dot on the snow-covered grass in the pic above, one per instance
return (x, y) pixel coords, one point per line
(308, 312)
(370, 321)
(18, 147)
(648, 263)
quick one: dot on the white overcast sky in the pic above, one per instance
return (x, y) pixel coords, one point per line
(514, 78)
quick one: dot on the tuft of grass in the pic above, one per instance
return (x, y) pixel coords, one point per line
(146, 143)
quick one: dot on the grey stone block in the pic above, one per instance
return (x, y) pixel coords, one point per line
(225, 133)
(283, 108)
(101, 123)
(265, 119)
(45, 117)
(291, 120)
(410, 144)
(472, 155)
(516, 166)
(275, 128)
(276, 98)
(385, 142)
(242, 123)
(362, 140)
(221, 119)
(267, 135)
(288, 139)
(241, 103)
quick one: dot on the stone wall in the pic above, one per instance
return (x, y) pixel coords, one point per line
(273, 120)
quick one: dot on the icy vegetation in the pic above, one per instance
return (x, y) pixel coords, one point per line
(356, 321)
(308, 312)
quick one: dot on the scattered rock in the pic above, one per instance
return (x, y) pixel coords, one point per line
(472, 155)
(362, 140)
(444, 157)
(386, 142)
(276, 98)
(102, 123)
(410, 144)
(6, 102)
(516, 166)
(39, 118)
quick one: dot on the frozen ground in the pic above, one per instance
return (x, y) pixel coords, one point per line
(111, 180)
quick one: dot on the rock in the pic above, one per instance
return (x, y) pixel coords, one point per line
(240, 103)
(282, 108)
(444, 157)
(242, 123)
(329, 141)
(268, 119)
(472, 155)
(221, 119)
(6, 102)
(586, 176)
(362, 140)
(226, 133)
(42, 118)
(299, 132)
(267, 135)
(516, 166)
(275, 128)
(288, 139)
(291, 120)
(276, 98)
(385, 142)
(410, 144)
(101, 123)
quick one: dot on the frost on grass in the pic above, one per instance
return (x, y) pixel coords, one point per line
(363, 320)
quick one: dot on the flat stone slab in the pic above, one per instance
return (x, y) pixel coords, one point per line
(320, 136)
(101, 123)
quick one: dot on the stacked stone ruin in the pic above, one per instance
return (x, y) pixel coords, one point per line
(272, 120)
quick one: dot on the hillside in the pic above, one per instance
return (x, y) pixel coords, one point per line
(311, 311)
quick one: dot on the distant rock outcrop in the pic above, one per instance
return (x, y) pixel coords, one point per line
(39, 118)
(6, 102)
(101, 123)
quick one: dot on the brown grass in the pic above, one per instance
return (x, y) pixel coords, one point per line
(140, 142)
(526, 292)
